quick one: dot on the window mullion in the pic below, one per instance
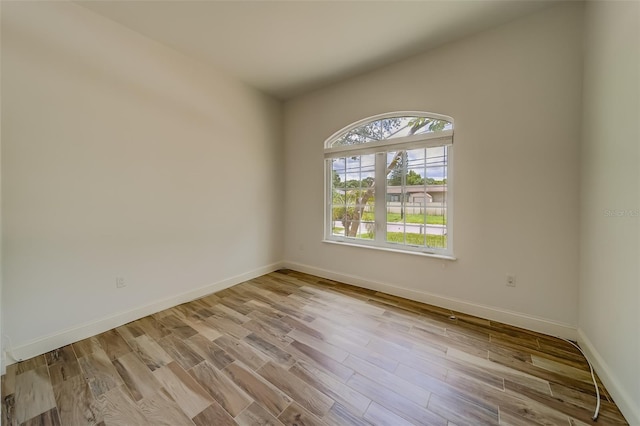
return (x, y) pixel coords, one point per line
(380, 206)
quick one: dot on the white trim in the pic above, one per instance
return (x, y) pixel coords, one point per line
(56, 340)
(623, 400)
(529, 322)
(449, 200)
(328, 200)
(397, 248)
(380, 209)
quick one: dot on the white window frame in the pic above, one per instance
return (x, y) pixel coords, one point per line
(380, 149)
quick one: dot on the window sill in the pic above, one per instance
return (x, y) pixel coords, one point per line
(387, 249)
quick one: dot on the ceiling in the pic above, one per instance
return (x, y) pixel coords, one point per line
(286, 48)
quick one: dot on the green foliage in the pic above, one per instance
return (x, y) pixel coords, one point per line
(352, 183)
(439, 241)
(395, 179)
(436, 241)
(432, 181)
(336, 179)
(417, 218)
(368, 182)
(347, 209)
(414, 178)
(433, 124)
(385, 128)
(411, 218)
(375, 131)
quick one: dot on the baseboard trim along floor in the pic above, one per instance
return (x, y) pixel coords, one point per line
(529, 322)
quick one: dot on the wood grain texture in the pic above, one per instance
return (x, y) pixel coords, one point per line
(161, 410)
(221, 388)
(30, 364)
(150, 352)
(183, 389)
(378, 415)
(331, 386)
(296, 415)
(340, 415)
(242, 352)
(63, 365)
(180, 351)
(100, 373)
(34, 394)
(214, 415)
(117, 408)
(272, 351)
(307, 396)
(399, 405)
(255, 415)
(263, 392)
(113, 344)
(136, 376)
(76, 405)
(293, 349)
(210, 351)
(48, 418)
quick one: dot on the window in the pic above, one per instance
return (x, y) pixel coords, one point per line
(388, 183)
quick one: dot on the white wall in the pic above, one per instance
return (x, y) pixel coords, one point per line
(515, 94)
(609, 302)
(121, 157)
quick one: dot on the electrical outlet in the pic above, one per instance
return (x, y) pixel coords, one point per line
(511, 280)
(120, 282)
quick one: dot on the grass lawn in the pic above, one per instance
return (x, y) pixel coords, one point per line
(411, 218)
(439, 241)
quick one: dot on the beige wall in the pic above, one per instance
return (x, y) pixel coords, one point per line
(116, 153)
(514, 93)
(609, 303)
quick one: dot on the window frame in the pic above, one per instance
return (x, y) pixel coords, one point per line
(380, 150)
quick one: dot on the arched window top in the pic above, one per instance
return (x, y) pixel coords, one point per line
(390, 126)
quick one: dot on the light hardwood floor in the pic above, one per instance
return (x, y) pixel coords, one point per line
(294, 349)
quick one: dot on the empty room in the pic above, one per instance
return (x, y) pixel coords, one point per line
(320, 213)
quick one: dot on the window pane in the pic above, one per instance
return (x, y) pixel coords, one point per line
(436, 171)
(416, 197)
(352, 193)
(337, 220)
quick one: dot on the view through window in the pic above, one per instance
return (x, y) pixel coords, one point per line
(388, 183)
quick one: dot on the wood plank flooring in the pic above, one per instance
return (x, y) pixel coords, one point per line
(293, 349)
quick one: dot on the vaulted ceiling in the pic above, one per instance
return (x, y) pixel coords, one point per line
(286, 48)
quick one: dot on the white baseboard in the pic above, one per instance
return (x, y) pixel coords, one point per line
(629, 408)
(53, 341)
(529, 322)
